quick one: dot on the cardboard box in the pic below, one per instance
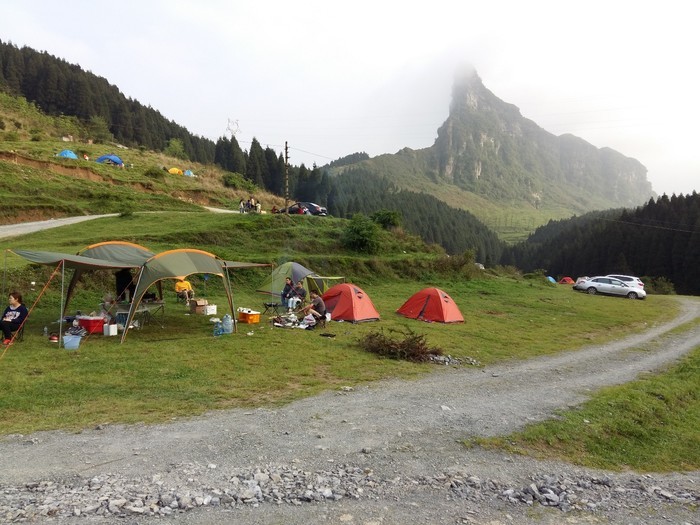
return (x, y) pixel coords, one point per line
(197, 306)
(249, 317)
(210, 309)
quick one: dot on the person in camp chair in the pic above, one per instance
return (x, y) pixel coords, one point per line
(287, 291)
(297, 296)
(316, 307)
(184, 290)
(13, 317)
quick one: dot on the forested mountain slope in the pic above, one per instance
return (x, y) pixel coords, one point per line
(659, 239)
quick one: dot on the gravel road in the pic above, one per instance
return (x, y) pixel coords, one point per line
(14, 230)
(393, 450)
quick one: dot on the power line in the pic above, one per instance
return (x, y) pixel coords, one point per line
(650, 225)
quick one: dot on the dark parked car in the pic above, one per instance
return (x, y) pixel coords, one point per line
(610, 286)
(314, 209)
(309, 208)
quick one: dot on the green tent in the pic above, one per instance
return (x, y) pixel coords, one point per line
(296, 272)
(173, 264)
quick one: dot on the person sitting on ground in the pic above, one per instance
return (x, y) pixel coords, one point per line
(296, 296)
(316, 307)
(184, 290)
(13, 317)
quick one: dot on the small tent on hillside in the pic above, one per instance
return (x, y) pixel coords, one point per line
(175, 171)
(433, 305)
(296, 272)
(67, 154)
(566, 280)
(110, 159)
(348, 302)
(551, 279)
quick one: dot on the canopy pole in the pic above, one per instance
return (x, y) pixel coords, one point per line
(231, 302)
(4, 275)
(132, 307)
(61, 313)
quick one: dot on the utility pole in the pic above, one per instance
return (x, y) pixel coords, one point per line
(286, 178)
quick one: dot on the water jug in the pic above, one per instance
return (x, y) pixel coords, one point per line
(228, 324)
(218, 328)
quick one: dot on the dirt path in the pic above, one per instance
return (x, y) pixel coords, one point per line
(14, 230)
(397, 429)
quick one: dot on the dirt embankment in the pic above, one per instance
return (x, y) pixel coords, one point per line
(70, 171)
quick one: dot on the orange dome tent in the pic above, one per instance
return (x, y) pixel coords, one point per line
(433, 305)
(566, 280)
(348, 302)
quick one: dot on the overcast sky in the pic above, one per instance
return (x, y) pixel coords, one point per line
(333, 78)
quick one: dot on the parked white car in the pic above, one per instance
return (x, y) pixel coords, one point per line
(609, 286)
(629, 279)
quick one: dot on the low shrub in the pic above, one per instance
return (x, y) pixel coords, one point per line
(409, 346)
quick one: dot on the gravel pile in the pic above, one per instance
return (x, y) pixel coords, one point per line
(114, 496)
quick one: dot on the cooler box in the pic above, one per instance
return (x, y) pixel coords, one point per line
(93, 325)
(249, 317)
(210, 309)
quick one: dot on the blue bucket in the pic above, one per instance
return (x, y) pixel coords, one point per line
(71, 342)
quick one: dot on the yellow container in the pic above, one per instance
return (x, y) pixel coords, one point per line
(249, 318)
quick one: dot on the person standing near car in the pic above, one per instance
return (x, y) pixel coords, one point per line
(13, 316)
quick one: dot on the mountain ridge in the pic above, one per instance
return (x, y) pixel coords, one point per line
(487, 156)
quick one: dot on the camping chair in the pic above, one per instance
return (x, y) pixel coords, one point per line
(321, 321)
(19, 333)
(272, 307)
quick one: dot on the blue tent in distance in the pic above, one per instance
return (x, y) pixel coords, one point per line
(110, 158)
(67, 154)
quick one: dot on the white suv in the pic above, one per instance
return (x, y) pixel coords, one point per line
(629, 279)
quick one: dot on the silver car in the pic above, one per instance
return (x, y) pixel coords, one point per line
(610, 286)
(629, 279)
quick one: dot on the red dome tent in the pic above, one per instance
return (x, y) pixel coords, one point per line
(348, 302)
(566, 280)
(431, 304)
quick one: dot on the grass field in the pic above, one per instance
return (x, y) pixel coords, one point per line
(175, 367)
